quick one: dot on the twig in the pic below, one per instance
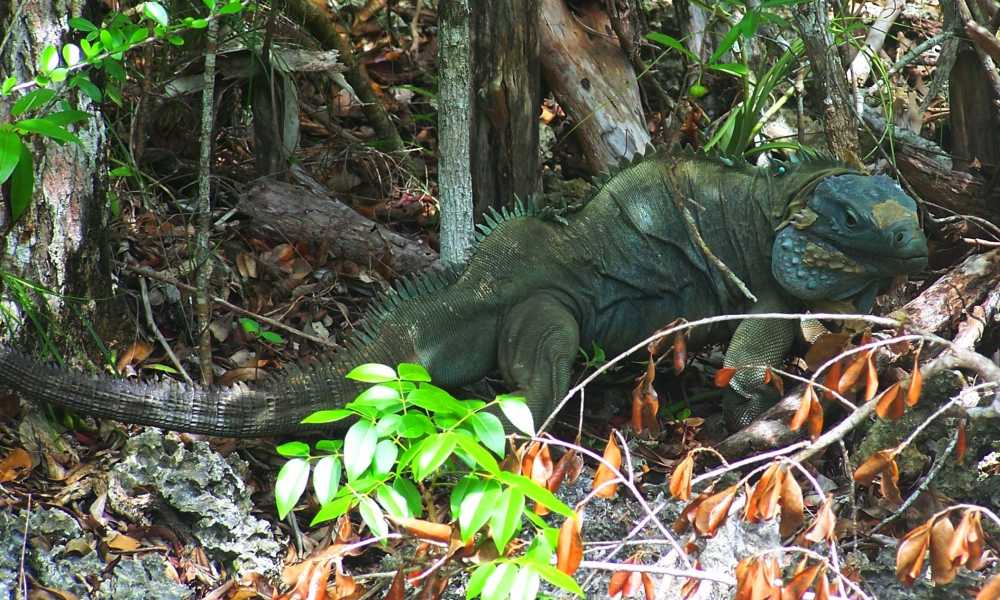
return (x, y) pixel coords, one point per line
(276, 324)
(21, 573)
(861, 66)
(688, 573)
(939, 462)
(159, 335)
(203, 209)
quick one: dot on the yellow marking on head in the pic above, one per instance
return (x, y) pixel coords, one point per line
(890, 212)
(833, 260)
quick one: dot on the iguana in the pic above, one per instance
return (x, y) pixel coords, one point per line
(535, 291)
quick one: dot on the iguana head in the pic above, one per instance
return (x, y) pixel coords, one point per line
(850, 237)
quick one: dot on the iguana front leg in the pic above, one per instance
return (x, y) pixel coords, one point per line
(538, 341)
(756, 344)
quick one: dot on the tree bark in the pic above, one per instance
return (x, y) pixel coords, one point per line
(594, 82)
(59, 243)
(455, 131)
(507, 84)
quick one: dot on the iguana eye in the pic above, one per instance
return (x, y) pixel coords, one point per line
(850, 219)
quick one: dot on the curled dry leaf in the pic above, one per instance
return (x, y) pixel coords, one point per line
(680, 352)
(755, 579)
(645, 402)
(691, 585)
(792, 505)
(831, 380)
(916, 382)
(800, 583)
(712, 511)
(613, 457)
(871, 377)
(397, 590)
(990, 591)
(824, 525)
(425, 530)
(723, 376)
(135, 354)
(875, 464)
(687, 516)
(942, 568)
(961, 444)
(910, 555)
(852, 373)
(569, 550)
(890, 403)
(763, 502)
(568, 466)
(966, 548)
(15, 465)
(680, 480)
(889, 483)
(810, 413)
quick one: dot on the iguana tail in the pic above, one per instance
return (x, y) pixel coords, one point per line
(274, 406)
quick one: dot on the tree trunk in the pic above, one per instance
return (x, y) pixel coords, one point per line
(59, 242)
(454, 131)
(507, 85)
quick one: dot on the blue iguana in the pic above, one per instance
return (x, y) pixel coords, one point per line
(535, 291)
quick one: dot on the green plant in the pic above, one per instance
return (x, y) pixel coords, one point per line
(409, 438)
(252, 327)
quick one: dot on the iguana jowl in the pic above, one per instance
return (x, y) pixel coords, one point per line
(536, 290)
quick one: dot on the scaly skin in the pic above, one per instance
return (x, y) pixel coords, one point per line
(535, 291)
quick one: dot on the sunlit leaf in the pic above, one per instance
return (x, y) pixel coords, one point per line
(943, 569)
(910, 554)
(712, 511)
(680, 480)
(359, 448)
(326, 478)
(506, 518)
(372, 373)
(605, 474)
(518, 413)
(291, 482)
(373, 517)
(569, 550)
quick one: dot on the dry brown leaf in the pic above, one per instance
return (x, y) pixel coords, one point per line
(569, 550)
(800, 583)
(616, 586)
(890, 403)
(770, 377)
(916, 383)
(874, 465)
(871, 377)
(723, 376)
(889, 483)
(942, 568)
(123, 543)
(805, 404)
(852, 373)
(712, 511)
(792, 505)
(966, 548)
(824, 525)
(613, 457)
(680, 480)
(961, 444)
(425, 530)
(910, 555)
(648, 587)
(831, 380)
(763, 502)
(15, 465)
(680, 352)
(397, 590)
(755, 579)
(645, 402)
(823, 588)
(690, 587)
(565, 467)
(990, 591)
(826, 347)
(345, 588)
(687, 516)
(135, 354)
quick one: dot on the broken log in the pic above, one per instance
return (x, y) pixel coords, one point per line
(299, 213)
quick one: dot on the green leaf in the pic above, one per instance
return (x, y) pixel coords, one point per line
(379, 396)
(326, 478)
(727, 41)
(517, 412)
(160, 366)
(490, 431)
(408, 490)
(415, 424)
(388, 425)
(412, 372)
(231, 8)
(44, 127)
(176, 40)
(72, 55)
(433, 452)
(48, 60)
(333, 509)
(107, 40)
(87, 87)
(10, 153)
(526, 584)
(386, 452)
(67, 117)
(471, 447)
(459, 491)
(506, 518)
(81, 24)
(477, 507)
(156, 12)
(292, 479)
(249, 325)
(500, 582)
(22, 184)
(735, 69)
(138, 36)
(671, 42)
(434, 399)
(59, 75)
(7, 86)
(198, 23)
(328, 416)
(555, 577)
(542, 547)
(209, 4)
(120, 172)
(359, 448)
(536, 492)
(294, 449)
(272, 337)
(31, 101)
(373, 516)
(478, 579)
(372, 373)
(393, 502)
(330, 446)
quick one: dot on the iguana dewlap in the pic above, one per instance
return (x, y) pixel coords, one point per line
(537, 290)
